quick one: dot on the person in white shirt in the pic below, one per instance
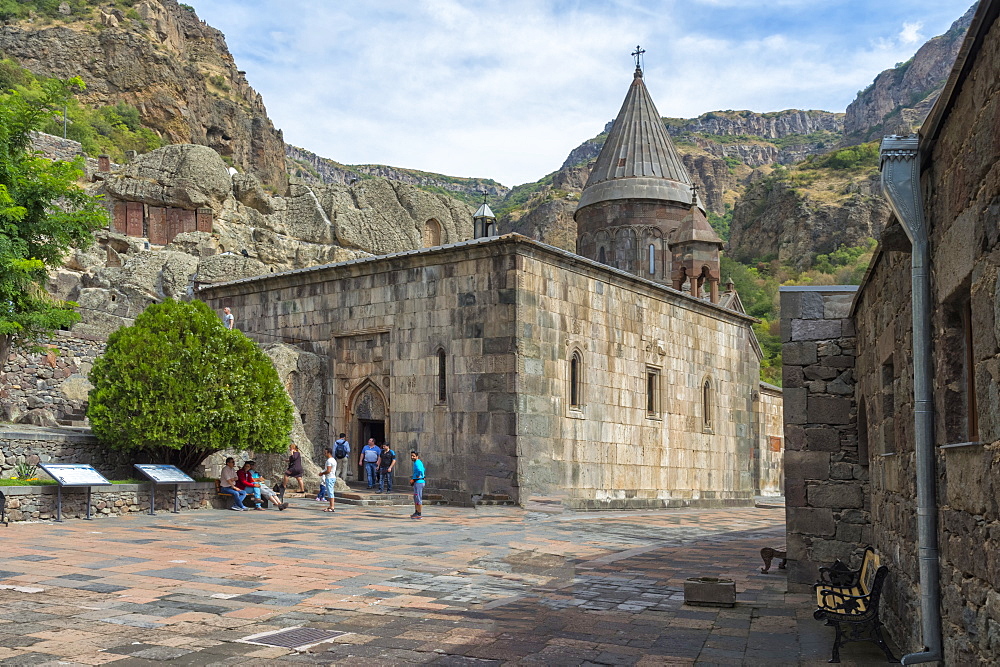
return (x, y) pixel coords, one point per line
(227, 484)
(329, 476)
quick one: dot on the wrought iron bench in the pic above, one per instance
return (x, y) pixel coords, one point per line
(846, 597)
(248, 499)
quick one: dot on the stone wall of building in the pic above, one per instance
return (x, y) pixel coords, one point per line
(34, 445)
(771, 441)
(612, 451)
(501, 316)
(826, 482)
(960, 167)
(67, 150)
(38, 503)
(55, 381)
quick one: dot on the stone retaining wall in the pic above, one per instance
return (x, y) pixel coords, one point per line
(34, 445)
(826, 482)
(38, 503)
(55, 382)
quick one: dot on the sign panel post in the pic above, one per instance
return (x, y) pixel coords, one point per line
(73, 474)
(159, 473)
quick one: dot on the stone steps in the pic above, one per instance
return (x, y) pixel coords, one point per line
(494, 499)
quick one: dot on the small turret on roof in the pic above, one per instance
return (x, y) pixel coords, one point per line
(695, 252)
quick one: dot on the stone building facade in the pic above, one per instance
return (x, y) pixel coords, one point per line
(519, 369)
(957, 165)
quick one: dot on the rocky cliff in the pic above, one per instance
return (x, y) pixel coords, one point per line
(173, 67)
(312, 168)
(253, 232)
(778, 219)
(900, 98)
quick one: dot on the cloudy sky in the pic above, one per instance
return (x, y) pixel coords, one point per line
(504, 89)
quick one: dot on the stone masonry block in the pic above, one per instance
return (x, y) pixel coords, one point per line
(799, 354)
(840, 496)
(795, 406)
(816, 329)
(822, 439)
(802, 305)
(811, 521)
(795, 436)
(807, 465)
(827, 410)
(837, 306)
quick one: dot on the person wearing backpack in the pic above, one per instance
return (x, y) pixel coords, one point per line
(386, 462)
(369, 459)
(341, 450)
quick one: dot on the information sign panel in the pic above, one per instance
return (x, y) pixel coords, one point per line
(162, 473)
(74, 474)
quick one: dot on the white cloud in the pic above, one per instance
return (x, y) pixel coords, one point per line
(506, 88)
(910, 34)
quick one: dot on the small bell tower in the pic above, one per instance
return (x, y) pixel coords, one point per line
(695, 252)
(484, 222)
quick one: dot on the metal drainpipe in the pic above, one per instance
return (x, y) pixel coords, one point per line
(900, 166)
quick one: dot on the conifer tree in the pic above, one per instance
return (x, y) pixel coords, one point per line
(178, 386)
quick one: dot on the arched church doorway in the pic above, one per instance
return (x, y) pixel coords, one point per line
(369, 419)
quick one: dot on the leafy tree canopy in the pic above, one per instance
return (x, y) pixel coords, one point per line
(43, 212)
(178, 386)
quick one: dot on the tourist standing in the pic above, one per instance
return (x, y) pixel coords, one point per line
(369, 459)
(295, 468)
(417, 480)
(227, 484)
(341, 450)
(227, 318)
(386, 464)
(329, 477)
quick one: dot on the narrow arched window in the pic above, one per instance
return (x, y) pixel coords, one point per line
(706, 404)
(652, 259)
(575, 389)
(442, 379)
(601, 256)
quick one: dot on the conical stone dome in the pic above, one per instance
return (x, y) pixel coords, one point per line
(638, 160)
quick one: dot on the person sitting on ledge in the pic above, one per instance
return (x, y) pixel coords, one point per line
(256, 487)
(228, 481)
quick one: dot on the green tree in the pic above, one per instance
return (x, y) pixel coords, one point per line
(43, 212)
(178, 385)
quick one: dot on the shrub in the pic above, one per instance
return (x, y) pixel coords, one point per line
(179, 386)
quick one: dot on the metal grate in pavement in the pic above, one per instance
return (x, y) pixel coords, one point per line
(297, 638)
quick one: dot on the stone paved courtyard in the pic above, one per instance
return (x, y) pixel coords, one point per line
(462, 586)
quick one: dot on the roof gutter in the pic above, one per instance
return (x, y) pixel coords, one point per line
(900, 166)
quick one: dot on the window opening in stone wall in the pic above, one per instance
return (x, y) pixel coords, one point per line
(707, 407)
(971, 411)
(602, 256)
(442, 378)
(575, 394)
(955, 374)
(863, 432)
(652, 259)
(887, 427)
(653, 393)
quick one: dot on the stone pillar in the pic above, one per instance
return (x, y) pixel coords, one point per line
(695, 285)
(826, 487)
(713, 286)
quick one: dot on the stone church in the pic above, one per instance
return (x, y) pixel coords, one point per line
(617, 377)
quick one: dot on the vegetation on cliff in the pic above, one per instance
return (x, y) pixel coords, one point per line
(110, 130)
(43, 213)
